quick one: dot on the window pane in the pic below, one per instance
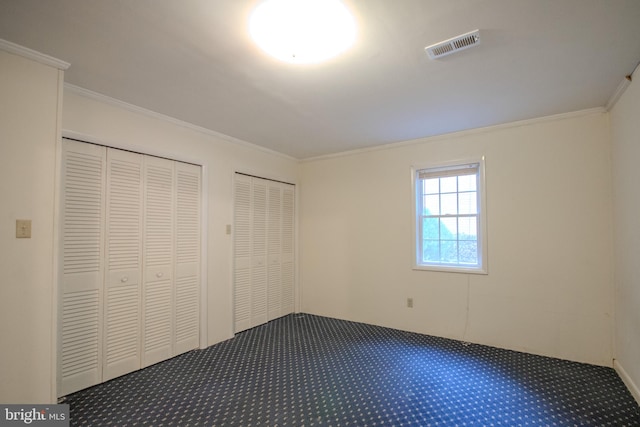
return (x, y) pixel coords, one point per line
(448, 215)
(431, 186)
(448, 228)
(449, 184)
(431, 251)
(468, 252)
(467, 182)
(431, 205)
(467, 203)
(449, 204)
(468, 228)
(430, 229)
(449, 251)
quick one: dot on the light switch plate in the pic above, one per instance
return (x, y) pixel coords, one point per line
(23, 228)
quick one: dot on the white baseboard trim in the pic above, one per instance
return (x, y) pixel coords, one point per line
(633, 388)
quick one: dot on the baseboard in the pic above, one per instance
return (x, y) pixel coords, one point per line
(633, 388)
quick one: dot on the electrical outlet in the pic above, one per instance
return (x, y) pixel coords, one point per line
(410, 302)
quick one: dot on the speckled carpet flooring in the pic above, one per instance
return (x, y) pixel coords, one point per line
(305, 370)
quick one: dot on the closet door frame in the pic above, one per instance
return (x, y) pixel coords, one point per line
(57, 256)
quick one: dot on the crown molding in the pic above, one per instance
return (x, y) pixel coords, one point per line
(445, 136)
(618, 93)
(152, 114)
(25, 52)
(624, 84)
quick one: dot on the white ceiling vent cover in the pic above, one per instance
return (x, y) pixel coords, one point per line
(456, 44)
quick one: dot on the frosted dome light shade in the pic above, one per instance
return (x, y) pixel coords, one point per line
(302, 31)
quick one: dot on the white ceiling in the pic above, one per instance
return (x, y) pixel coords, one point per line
(193, 60)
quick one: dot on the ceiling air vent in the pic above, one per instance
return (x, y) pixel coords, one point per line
(453, 45)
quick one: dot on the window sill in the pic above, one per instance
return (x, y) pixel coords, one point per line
(452, 269)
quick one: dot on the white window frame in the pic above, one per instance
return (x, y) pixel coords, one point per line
(482, 266)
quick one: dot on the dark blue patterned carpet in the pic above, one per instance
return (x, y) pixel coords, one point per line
(304, 370)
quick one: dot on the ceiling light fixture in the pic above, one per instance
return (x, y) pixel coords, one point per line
(302, 31)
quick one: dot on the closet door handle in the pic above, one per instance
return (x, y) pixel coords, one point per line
(159, 275)
(125, 279)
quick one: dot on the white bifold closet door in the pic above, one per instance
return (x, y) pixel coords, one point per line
(287, 266)
(82, 266)
(263, 250)
(130, 264)
(157, 288)
(124, 190)
(274, 246)
(186, 317)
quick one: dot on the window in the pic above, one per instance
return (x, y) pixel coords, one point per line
(450, 221)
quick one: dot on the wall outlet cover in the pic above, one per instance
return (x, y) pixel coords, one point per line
(23, 228)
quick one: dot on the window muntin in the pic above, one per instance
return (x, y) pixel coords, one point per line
(449, 222)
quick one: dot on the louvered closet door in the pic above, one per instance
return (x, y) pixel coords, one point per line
(187, 272)
(158, 255)
(259, 252)
(274, 242)
(123, 277)
(82, 266)
(288, 245)
(264, 248)
(242, 247)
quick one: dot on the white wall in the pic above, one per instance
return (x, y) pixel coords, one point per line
(549, 287)
(111, 124)
(29, 95)
(625, 130)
